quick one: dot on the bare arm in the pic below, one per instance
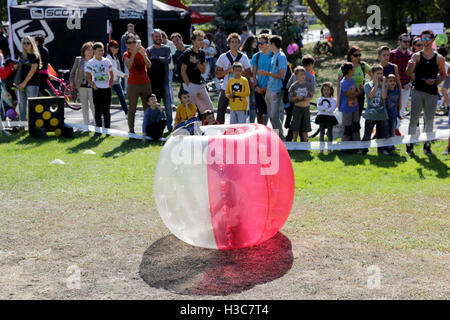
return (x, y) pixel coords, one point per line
(442, 71)
(184, 74)
(412, 64)
(89, 80)
(384, 89)
(220, 73)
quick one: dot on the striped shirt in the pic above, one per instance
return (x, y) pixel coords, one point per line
(401, 60)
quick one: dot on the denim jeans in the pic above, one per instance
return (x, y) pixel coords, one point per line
(28, 92)
(168, 100)
(392, 125)
(118, 89)
(275, 110)
(382, 130)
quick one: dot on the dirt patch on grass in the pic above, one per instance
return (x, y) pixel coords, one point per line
(125, 252)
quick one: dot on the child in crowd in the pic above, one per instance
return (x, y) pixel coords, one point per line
(348, 104)
(300, 93)
(238, 92)
(307, 63)
(325, 117)
(393, 104)
(154, 119)
(208, 118)
(376, 114)
(100, 76)
(186, 110)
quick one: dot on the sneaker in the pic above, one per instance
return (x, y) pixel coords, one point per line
(384, 152)
(97, 134)
(410, 149)
(364, 151)
(446, 151)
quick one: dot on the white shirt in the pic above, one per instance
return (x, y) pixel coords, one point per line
(326, 106)
(99, 69)
(224, 63)
(116, 68)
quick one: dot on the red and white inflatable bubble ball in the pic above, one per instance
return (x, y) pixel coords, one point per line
(232, 187)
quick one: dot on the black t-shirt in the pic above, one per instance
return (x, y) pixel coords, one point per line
(44, 57)
(193, 73)
(26, 67)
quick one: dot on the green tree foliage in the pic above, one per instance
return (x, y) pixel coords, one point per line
(288, 29)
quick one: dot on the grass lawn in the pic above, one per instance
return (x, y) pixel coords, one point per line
(352, 215)
(97, 213)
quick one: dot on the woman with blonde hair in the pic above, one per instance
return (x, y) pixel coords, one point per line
(79, 82)
(28, 77)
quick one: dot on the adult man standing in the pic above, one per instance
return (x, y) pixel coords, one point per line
(400, 57)
(192, 67)
(168, 89)
(224, 69)
(261, 61)
(160, 57)
(274, 94)
(123, 45)
(426, 65)
(177, 40)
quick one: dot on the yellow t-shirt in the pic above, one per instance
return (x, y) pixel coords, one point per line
(241, 91)
(184, 113)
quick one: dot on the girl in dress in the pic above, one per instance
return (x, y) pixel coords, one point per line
(326, 106)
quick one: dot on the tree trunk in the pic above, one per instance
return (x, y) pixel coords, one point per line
(335, 22)
(339, 35)
(392, 19)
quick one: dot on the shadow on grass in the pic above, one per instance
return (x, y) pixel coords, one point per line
(91, 143)
(432, 163)
(301, 156)
(129, 145)
(181, 268)
(379, 160)
(11, 138)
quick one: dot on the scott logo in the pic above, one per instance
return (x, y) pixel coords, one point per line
(55, 13)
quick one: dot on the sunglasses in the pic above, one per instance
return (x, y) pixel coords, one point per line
(114, 47)
(26, 43)
(357, 55)
(426, 38)
(418, 45)
(261, 43)
(131, 42)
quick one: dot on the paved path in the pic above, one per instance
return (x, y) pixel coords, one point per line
(119, 121)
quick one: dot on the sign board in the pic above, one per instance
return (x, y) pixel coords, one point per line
(417, 28)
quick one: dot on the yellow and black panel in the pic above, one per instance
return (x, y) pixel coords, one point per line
(46, 113)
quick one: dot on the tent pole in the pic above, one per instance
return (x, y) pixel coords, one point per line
(11, 31)
(149, 21)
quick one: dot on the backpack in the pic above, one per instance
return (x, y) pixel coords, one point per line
(285, 89)
(230, 58)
